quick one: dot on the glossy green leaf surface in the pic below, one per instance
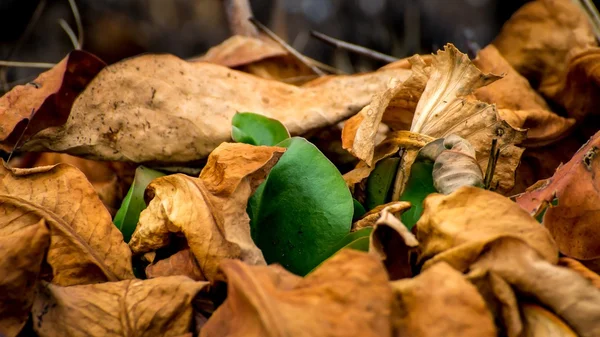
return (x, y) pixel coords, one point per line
(255, 129)
(380, 182)
(418, 187)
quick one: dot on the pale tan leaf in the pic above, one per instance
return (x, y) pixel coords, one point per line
(156, 307)
(540, 322)
(181, 263)
(210, 211)
(371, 217)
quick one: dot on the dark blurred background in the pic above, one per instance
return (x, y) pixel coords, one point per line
(116, 29)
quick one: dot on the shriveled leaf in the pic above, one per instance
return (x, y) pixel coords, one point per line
(86, 247)
(269, 301)
(581, 270)
(540, 322)
(302, 210)
(128, 215)
(241, 50)
(181, 263)
(185, 109)
(574, 221)
(22, 255)
(255, 129)
(46, 101)
(458, 227)
(371, 218)
(156, 307)
(210, 211)
(445, 108)
(440, 302)
(539, 37)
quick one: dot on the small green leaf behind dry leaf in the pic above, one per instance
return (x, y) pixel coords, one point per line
(86, 247)
(255, 129)
(210, 211)
(156, 307)
(269, 301)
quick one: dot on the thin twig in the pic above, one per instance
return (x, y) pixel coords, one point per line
(354, 48)
(286, 46)
(65, 26)
(489, 172)
(15, 147)
(42, 65)
(592, 14)
(78, 23)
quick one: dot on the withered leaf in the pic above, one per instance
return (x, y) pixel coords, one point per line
(185, 109)
(210, 211)
(440, 302)
(540, 322)
(574, 221)
(46, 101)
(181, 263)
(371, 217)
(240, 50)
(22, 255)
(156, 307)
(269, 301)
(86, 247)
(581, 270)
(457, 228)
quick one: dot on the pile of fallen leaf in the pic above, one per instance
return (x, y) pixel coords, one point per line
(163, 197)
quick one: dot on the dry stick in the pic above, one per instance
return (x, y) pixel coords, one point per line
(354, 48)
(20, 137)
(65, 26)
(491, 166)
(238, 14)
(592, 14)
(42, 65)
(286, 46)
(78, 23)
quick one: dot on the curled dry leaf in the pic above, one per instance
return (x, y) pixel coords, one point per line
(181, 263)
(581, 269)
(156, 307)
(269, 301)
(210, 211)
(371, 217)
(440, 302)
(393, 243)
(569, 295)
(538, 39)
(517, 103)
(86, 247)
(391, 105)
(573, 222)
(240, 50)
(457, 228)
(540, 322)
(181, 111)
(22, 255)
(47, 100)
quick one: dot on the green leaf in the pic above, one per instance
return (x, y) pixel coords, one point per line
(380, 181)
(418, 186)
(303, 209)
(128, 215)
(359, 210)
(358, 240)
(255, 129)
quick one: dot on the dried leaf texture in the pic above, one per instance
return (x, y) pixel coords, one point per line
(540, 322)
(241, 50)
(181, 263)
(22, 255)
(210, 211)
(269, 301)
(86, 247)
(181, 111)
(156, 307)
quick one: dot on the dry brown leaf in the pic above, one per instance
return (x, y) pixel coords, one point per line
(457, 228)
(156, 307)
(47, 100)
(210, 211)
(574, 221)
(391, 105)
(393, 243)
(581, 270)
(440, 302)
(22, 255)
(569, 295)
(371, 217)
(540, 322)
(538, 39)
(160, 109)
(271, 302)
(86, 247)
(181, 263)
(241, 50)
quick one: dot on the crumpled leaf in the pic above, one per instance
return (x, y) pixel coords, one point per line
(22, 255)
(398, 101)
(574, 221)
(371, 217)
(156, 307)
(440, 302)
(185, 109)
(540, 322)
(210, 211)
(181, 263)
(517, 103)
(46, 101)
(538, 39)
(457, 228)
(269, 301)
(86, 247)
(581, 270)
(445, 108)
